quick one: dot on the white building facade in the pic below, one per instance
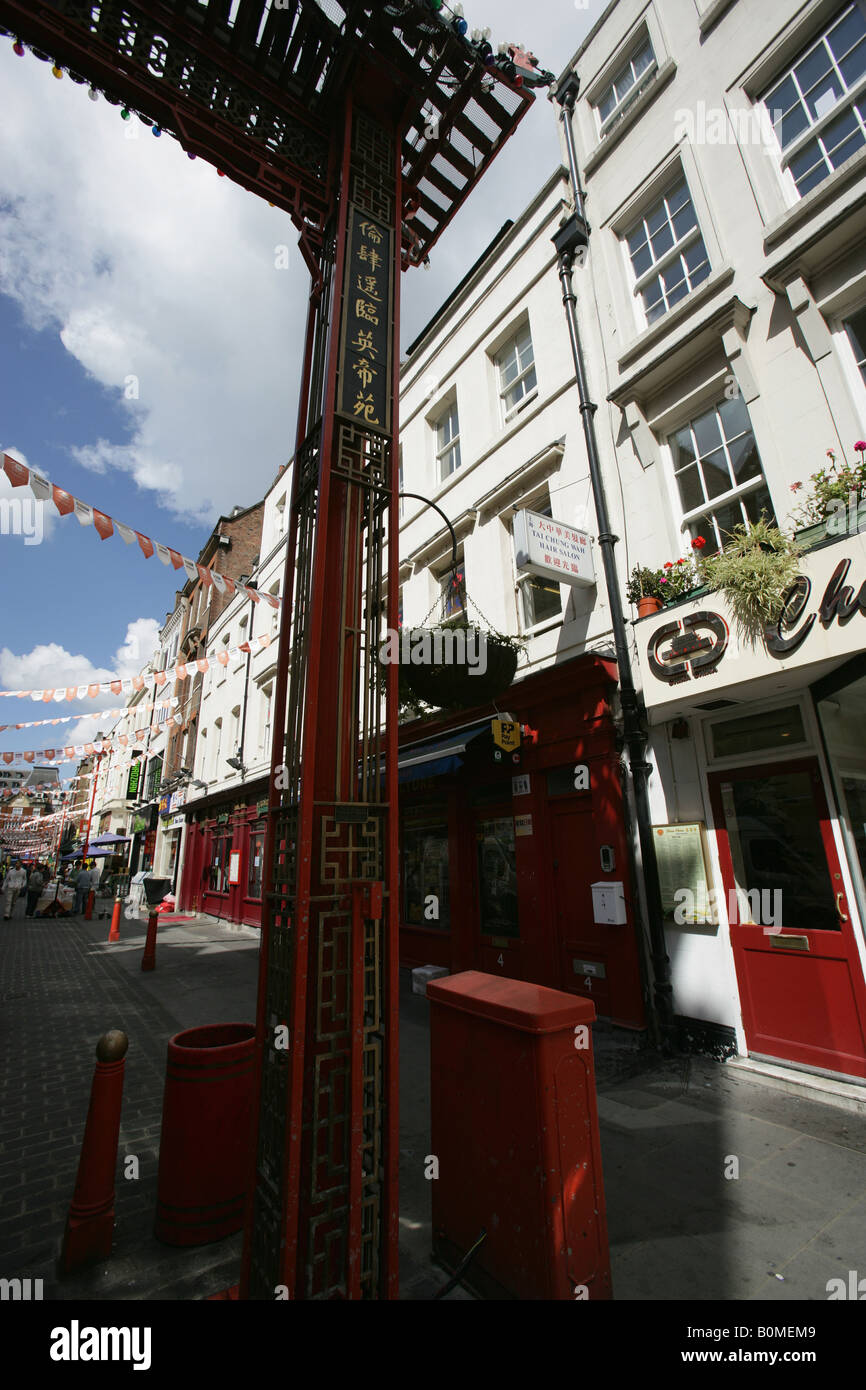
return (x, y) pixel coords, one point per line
(723, 153)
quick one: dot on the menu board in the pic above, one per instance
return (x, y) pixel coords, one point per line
(681, 855)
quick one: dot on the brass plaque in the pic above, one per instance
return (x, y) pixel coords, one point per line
(791, 943)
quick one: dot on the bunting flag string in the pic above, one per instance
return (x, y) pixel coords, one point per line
(104, 525)
(128, 684)
(82, 750)
(101, 745)
(171, 703)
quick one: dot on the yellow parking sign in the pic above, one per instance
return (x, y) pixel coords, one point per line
(506, 734)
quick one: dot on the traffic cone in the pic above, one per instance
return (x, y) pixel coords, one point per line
(114, 934)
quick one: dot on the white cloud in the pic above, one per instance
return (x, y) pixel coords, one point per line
(160, 279)
(49, 665)
(151, 267)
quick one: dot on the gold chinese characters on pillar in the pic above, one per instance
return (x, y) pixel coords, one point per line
(365, 348)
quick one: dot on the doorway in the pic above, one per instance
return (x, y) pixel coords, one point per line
(801, 986)
(582, 946)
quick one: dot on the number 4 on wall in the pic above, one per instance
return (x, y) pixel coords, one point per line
(500, 959)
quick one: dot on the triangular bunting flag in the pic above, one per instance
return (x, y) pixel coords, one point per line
(17, 473)
(103, 524)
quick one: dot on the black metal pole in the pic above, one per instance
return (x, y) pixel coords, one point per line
(426, 500)
(571, 242)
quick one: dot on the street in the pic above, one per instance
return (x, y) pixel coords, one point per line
(793, 1220)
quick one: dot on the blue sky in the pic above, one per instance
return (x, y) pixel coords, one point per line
(120, 258)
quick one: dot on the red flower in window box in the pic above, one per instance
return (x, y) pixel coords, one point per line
(698, 543)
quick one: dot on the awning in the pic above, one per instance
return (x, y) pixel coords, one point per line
(437, 757)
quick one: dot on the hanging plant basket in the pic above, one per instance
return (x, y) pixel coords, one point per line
(463, 684)
(481, 668)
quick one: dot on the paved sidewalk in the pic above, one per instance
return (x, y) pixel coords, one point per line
(794, 1218)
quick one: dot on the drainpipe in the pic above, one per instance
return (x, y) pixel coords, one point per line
(571, 242)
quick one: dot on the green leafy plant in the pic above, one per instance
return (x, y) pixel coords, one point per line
(644, 583)
(831, 484)
(754, 572)
(423, 689)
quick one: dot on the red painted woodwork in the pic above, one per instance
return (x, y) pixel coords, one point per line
(568, 707)
(806, 1006)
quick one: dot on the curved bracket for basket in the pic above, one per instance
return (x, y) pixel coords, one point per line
(416, 496)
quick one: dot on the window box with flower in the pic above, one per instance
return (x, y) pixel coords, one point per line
(653, 589)
(833, 502)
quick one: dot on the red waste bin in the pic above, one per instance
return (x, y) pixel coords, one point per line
(204, 1148)
(515, 1132)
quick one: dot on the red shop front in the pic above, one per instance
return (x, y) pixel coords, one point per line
(224, 856)
(498, 857)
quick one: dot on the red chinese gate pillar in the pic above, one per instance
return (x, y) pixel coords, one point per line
(323, 1220)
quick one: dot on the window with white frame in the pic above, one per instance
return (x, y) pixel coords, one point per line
(216, 771)
(400, 482)
(447, 443)
(625, 84)
(539, 597)
(243, 636)
(452, 588)
(515, 364)
(818, 108)
(274, 591)
(281, 517)
(855, 327)
(718, 474)
(265, 721)
(667, 251)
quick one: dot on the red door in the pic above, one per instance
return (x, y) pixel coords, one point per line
(801, 985)
(583, 946)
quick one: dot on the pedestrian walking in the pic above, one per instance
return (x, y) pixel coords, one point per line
(83, 885)
(14, 883)
(35, 885)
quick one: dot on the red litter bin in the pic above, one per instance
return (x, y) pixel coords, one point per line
(204, 1149)
(515, 1131)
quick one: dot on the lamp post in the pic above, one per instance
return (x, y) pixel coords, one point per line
(571, 242)
(90, 813)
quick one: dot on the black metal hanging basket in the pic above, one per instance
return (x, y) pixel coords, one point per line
(462, 684)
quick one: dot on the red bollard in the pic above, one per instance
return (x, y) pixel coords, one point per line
(90, 1223)
(88, 911)
(114, 933)
(148, 960)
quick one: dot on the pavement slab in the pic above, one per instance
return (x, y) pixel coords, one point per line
(682, 1225)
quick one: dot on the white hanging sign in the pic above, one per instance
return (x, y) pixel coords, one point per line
(553, 550)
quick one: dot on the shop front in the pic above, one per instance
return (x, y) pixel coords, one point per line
(501, 844)
(773, 737)
(223, 858)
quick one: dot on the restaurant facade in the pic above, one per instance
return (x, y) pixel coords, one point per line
(500, 848)
(761, 777)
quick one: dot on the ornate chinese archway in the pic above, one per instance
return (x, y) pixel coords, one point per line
(369, 123)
